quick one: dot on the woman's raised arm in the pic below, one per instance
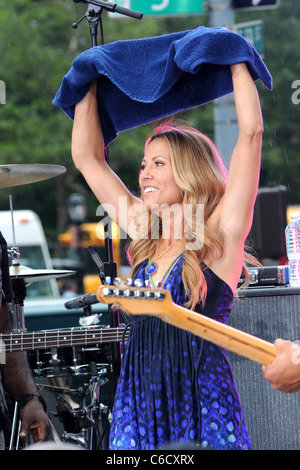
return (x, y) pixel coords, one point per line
(243, 175)
(234, 214)
(88, 154)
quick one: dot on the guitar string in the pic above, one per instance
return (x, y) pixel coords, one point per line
(16, 341)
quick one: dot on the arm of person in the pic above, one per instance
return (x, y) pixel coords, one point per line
(88, 154)
(18, 381)
(284, 373)
(233, 216)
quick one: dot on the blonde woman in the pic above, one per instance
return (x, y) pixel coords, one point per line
(189, 230)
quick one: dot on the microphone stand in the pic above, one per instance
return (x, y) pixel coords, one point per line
(93, 16)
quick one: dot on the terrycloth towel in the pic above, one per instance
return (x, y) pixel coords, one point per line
(143, 80)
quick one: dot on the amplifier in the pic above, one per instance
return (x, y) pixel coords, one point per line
(272, 416)
(267, 276)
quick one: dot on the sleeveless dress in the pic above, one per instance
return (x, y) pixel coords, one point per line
(175, 387)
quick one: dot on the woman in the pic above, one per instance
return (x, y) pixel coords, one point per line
(174, 386)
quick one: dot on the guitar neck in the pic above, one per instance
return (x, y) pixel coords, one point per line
(34, 340)
(233, 340)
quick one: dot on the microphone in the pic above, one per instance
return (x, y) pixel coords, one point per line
(83, 301)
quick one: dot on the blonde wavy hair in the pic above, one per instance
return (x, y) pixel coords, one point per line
(200, 173)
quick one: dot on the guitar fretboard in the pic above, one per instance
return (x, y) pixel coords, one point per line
(59, 338)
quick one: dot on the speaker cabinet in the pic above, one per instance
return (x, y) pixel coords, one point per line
(272, 416)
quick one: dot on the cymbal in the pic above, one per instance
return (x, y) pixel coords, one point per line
(16, 175)
(32, 275)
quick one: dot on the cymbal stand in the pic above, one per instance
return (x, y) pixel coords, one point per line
(17, 319)
(94, 16)
(18, 285)
(18, 326)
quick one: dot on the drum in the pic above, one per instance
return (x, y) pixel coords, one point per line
(69, 361)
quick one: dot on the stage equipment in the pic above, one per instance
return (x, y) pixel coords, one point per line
(272, 416)
(267, 276)
(30, 275)
(19, 174)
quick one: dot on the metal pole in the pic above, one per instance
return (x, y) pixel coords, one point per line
(221, 14)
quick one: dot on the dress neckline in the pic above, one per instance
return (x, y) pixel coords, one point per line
(167, 272)
(205, 266)
(218, 277)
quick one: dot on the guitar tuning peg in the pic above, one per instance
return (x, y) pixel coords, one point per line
(159, 284)
(138, 283)
(129, 281)
(129, 293)
(107, 279)
(159, 295)
(117, 281)
(147, 283)
(150, 294)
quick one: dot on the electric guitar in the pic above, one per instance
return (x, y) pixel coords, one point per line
(59, 338)
(158, 302)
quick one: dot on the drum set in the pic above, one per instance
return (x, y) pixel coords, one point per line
(74, 380)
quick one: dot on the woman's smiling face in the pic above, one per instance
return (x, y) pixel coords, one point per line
(156, 177)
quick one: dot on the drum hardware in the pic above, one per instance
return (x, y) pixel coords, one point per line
(86, 426)
(8, 177)
(15, 430)
(83, 423)
(22, 276)
(68, 361)
(18, 285)
(75, 361)
(17, 305)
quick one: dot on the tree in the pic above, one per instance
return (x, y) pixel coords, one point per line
(281, 142)
(37, 47)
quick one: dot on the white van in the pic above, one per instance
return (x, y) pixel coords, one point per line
(31, 241)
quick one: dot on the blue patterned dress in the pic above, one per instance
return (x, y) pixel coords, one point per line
(174, 386)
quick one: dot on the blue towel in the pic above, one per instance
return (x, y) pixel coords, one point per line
(143, 80)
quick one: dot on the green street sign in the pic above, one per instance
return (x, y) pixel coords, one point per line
(164, 7)
(253, 32)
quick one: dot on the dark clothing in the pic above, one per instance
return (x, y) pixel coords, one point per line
(6, 296)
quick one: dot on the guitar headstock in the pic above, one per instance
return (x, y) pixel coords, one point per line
(135, 300)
